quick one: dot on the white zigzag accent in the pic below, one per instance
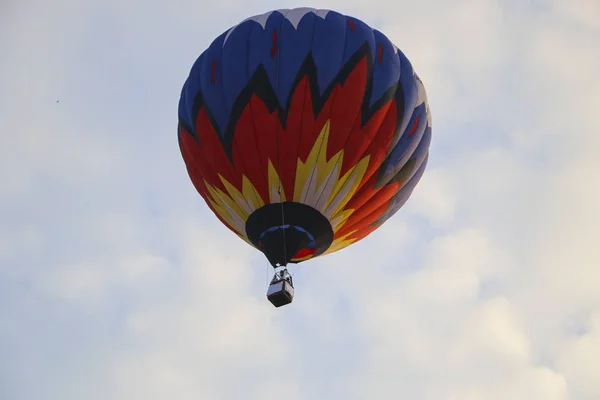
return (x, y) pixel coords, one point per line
(294, 16)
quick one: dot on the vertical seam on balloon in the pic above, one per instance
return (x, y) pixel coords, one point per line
(388, 152)
(258, 153)
(387, 181)
(404, 113)
(307, 93)
(312, 174)
(365, 179)
(351, 127)
(416, 89)
(210, 161)
(363, 153)
(234, 144)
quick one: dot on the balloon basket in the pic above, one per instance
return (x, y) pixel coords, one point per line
(281, 289)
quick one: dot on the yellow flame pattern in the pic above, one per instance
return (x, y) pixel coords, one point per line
(318, 184)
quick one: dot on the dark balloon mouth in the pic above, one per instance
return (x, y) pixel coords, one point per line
(288, 232)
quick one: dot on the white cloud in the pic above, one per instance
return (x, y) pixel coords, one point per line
(579, 359)
(115, 282)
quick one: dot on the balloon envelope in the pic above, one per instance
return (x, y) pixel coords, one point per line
(304, 130)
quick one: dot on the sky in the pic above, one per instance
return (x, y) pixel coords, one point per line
(117, 282)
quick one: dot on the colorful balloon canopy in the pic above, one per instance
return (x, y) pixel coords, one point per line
(304, 130)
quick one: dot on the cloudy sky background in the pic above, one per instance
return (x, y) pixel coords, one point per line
(116, 282)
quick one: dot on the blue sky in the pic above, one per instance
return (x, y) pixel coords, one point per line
(116, 282)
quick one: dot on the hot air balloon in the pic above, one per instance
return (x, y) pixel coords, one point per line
(304, 130)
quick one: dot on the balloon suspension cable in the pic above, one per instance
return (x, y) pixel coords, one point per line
(283, 225)
(267, 270)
